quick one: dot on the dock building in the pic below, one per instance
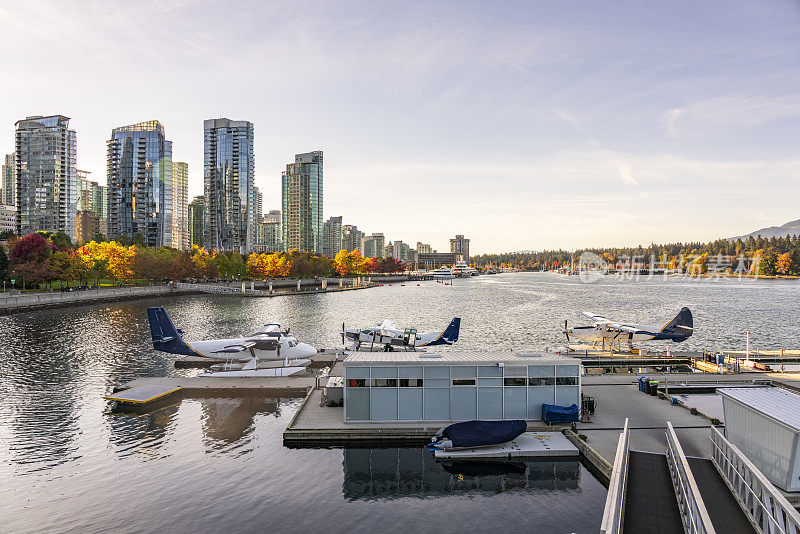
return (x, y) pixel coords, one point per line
(456, 386)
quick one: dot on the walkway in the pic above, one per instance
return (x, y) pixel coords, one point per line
(650, 503)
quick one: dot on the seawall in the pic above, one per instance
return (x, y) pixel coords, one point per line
(56, 299)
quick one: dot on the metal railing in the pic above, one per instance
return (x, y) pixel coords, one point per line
(615, 498)
(693, 511)
(764, 504)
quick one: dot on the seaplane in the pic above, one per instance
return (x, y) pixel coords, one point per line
(605, 331)
(387, 337)
(269, 351)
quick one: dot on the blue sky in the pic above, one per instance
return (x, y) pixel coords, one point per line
(524, 125)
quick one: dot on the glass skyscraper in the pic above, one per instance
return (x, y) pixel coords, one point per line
(8, 192)
(301, 203)
(180, 205)
(229, 169)
(195, 220)
(332, 236)
(45, 175)
(139, 171)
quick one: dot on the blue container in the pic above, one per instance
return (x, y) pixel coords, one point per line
(642, 381)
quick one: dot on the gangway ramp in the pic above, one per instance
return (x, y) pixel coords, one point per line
(650, 503)
(725, 513)
(652, 492)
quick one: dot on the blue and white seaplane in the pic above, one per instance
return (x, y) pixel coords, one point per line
(604, 331)
(269, 351)
(387, 337)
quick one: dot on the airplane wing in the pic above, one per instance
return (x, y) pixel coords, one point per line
(621, 328)
(239, 347)
(387, 328)
(596, 318)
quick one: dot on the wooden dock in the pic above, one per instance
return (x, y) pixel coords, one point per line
(278, 387)
(143, 394)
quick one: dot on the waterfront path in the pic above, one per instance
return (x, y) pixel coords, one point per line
(57, 299)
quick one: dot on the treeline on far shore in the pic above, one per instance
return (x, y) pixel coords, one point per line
(770, 257)
(44, 259)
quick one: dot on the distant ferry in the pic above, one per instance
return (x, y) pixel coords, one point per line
(442, 273)
(461, 270)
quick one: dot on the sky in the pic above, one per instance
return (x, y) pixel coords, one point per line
(523, 125)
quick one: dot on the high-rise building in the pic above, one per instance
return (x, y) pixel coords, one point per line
(93, 198)
(180, 205)
(99, 204)
(268, 236)
(84, 190)
(332, 236)
(8, 218)
(423, 248)
(273, 215)
(139, 170)
(8, 195)
(301, 203)
(258, 205)
(459, 247)
(195, 221)
(352, 238)
(374, 246)
(399, 251)
(228, 170)
(45, 175)
(88, 225)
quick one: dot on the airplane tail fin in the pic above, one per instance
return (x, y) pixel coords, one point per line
(450, 334)
(166, 337)
(682, 324)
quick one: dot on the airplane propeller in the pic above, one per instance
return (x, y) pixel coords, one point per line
(343, 335)
(566, 330)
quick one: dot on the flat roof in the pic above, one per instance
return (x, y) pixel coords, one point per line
(775, 403)
(459, 358)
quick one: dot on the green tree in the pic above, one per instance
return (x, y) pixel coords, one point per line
(4, 265)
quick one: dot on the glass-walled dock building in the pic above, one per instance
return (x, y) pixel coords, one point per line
(456, 386)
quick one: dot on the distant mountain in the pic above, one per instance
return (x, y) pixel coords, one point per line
(790, 228)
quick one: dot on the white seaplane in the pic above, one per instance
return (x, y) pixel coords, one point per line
(269, 351)
(387, 337)
(606, 331)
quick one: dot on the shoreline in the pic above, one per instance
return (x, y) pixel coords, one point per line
(27, 302)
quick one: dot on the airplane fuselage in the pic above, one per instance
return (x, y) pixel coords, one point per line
(642, 333)
(290, 349)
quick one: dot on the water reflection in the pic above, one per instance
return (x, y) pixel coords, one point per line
(144, 433)
(227, 421)
(386, 474)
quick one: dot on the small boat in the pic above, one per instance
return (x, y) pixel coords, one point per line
(471, 434)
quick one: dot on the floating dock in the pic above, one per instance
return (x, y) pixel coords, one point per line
(144, 394)
(527, 445)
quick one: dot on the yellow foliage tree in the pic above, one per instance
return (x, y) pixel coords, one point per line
(783, 263)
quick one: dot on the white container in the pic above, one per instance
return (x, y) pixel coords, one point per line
(764, 423)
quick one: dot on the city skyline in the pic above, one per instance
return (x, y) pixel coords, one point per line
(608, 125)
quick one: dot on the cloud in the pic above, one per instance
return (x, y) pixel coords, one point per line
(743, 110)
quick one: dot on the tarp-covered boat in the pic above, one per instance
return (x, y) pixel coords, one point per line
(552, 413)
(478, 434)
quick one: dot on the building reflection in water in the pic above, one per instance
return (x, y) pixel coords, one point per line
(227, 420)
(413, 472)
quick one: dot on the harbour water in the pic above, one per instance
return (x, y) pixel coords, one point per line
(218, 464)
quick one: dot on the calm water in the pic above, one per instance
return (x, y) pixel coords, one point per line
(213, 465)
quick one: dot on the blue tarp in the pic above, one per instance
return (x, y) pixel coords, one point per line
(480, 433)
(552, 413)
